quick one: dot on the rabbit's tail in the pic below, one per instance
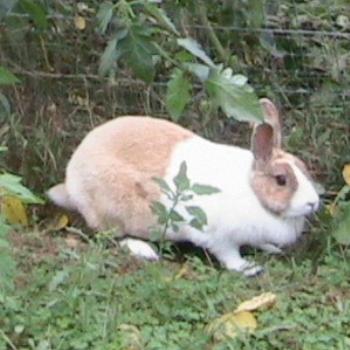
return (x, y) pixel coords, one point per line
(59, 195)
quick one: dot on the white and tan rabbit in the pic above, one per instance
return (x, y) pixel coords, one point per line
(265, 193)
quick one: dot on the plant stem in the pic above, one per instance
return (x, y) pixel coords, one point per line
(166, 225)
(212, 35)
(8, 340)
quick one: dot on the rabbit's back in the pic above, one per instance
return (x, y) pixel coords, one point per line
(110, 175)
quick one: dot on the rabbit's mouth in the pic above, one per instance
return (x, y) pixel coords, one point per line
(307, 209)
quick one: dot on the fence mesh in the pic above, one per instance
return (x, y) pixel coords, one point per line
(305, 68)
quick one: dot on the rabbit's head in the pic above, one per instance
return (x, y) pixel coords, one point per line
(279, 179)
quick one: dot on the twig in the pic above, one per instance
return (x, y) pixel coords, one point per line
(136, 82)
(45, 55)
(8, 340)
(214, 39)
(41, 74)
(79, 233)
(210, 261)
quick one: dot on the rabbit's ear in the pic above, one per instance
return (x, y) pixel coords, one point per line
(263, 142)
(272, 117)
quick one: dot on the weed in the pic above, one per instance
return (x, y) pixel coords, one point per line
(169, 218)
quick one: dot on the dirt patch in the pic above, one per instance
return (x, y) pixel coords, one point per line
(33, 247)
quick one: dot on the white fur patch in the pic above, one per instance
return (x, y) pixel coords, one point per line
(305, 200)
(139, 249)
(235, 215)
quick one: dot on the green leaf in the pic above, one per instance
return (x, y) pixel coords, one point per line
(4, 244)
(36, 12)
(11, 185)
(186, 197)
(178, 94)
(194, 47)
(196, 224)
(236, 100)
(204, 189)
(108, 58)
(181, 180)
(4, 227)
(59, 278)
(175, 216)
(7, 270)
(198, 213)
(162, 184)
(6, 77)
(111, 54)
(138, 50)
(7, 262)
(161, 17)
(104, 16)
(342, 231)
(160, 211)
(4, 104)
(201, 71)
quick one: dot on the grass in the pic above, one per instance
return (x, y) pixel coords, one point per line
(75, 295)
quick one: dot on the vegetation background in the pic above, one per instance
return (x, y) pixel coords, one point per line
(66, 66)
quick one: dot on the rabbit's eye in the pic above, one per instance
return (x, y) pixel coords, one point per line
(281, 180)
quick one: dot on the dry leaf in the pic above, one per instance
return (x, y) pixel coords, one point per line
(81, 101)
(346, 174)
(131, 337)
(263, 300)
(183, 271)
(332, 209)
(82, 7)
(61, 223)
(80, 22)
(14, 211)
(231, 324)
(71, 241)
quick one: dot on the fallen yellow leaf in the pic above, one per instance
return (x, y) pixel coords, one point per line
(14, 211)
(80, 22)
(332, 209)
(183, 271)
(346, 174)
(263, 300)
(131, 337)
(231, 324)
(61, 223)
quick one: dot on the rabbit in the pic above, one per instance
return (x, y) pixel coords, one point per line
(264, 193)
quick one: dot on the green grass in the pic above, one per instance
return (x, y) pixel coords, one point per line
(97, 297)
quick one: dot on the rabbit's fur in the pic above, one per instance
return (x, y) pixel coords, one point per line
(265, 193)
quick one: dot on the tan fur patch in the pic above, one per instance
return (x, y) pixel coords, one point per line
(116, 164)
(282, 156)
(273, 196)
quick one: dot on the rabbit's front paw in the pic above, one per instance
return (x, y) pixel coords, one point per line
(251, 269)
(271, 248)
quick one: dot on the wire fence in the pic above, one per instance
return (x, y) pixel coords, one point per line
(306, 70)
(332, 61)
